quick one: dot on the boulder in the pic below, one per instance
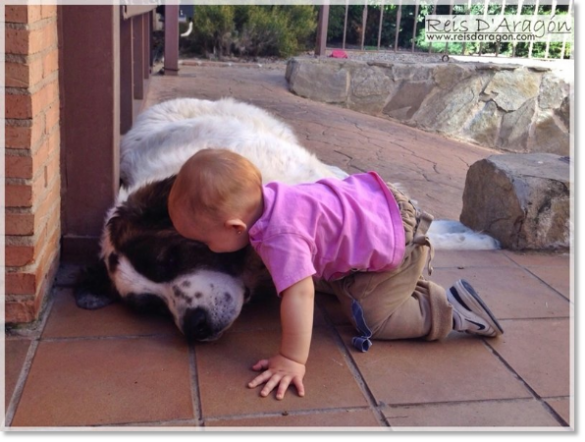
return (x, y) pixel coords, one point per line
(325, 82)
(522, 200)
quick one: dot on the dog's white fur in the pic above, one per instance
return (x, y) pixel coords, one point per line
(167, 134)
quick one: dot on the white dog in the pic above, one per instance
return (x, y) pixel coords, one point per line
(147, 264)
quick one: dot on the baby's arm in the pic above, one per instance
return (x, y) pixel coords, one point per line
(296, 311)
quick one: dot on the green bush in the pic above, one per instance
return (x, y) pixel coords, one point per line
(253, 30)
(213, 28)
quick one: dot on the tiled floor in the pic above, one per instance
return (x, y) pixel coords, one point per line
(111, 368)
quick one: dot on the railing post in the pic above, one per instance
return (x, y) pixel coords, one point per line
(380, 25)
(89, 68)
(345, 22)
(126, 75)
(171, 39)
(398, 18)
(138, 56)
(414, 27)
(364, 23)
(323, 23)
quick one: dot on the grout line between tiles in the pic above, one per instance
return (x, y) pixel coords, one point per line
(548, 285)
(28, 360)
(525, 384)
(304, 412)
(106, 338)
(195, 390)
(354, 370)
(20, 383)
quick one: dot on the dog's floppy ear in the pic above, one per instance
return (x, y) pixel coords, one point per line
(94, 288)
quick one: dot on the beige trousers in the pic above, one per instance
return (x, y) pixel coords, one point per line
(401, 303)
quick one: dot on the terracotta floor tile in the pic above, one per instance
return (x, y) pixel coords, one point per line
(509, 292)
(539, 351)
(224, 370)
(324, 419)
(471, 258)
(263, 313)
(15, 355)
(558, 277)
(67, 320)
(512, 413)
(459, 368)
(107, 382)
(539, 258)
(332, 308)
(563, 408)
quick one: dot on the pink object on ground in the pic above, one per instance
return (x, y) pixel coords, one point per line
(338, 53)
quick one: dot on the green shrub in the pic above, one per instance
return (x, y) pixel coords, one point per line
(277, 30)
(253, 30)
(213, 28)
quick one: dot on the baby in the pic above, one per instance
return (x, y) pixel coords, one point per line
(357, 238)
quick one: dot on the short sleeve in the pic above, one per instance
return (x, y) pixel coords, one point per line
(289, 259)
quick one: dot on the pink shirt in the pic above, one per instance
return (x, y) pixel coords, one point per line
(329, 229)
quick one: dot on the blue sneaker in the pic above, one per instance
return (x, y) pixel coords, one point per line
(470, 313)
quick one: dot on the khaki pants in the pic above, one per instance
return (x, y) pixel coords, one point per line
(401, 303)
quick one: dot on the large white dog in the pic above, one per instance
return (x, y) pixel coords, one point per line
(147, 264)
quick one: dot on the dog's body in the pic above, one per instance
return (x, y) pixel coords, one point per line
(145, 262)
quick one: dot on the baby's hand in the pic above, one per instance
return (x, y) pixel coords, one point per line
(280, 371)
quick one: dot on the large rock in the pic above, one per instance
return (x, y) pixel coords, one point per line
(369, 87)
(325, 82)
(522, 200)
(511, 89)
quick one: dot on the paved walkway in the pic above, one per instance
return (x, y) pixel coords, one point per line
(112, 368)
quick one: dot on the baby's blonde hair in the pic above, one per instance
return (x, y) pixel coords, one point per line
(216, 183)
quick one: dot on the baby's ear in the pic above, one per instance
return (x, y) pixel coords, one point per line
(235, 224)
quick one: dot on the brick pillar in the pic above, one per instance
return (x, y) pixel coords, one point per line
(33, 181)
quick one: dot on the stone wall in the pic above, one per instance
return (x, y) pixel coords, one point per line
(508, 107)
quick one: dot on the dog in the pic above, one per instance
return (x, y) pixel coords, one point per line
(145, 263)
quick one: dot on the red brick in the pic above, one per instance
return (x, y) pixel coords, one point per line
(18, 106)
(51, 199)
(27, 106)
(48, 11)
(25, 136)
(30, 41)
(50, 62)
(19, 195)
(52, 115)
(17, 41)
(22, 14)
(17, 256)
(18, 166)
(43, 38)
(46, 96)
(20, 311)
(24, 166)
(24, 74)
(20, 224)
(20, 283)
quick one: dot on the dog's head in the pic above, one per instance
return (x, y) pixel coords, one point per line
(146, 263)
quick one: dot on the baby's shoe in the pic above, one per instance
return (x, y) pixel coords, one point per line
(470, 314)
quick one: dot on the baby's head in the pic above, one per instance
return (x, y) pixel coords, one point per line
(216, 196)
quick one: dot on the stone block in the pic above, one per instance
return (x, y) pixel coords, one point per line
(325, 82)
(522, 200)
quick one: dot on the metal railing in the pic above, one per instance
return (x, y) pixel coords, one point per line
(395, 13)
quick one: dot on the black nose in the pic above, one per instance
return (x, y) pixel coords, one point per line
(196, 325)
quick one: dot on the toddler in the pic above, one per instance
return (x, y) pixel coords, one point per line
(357, 238)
